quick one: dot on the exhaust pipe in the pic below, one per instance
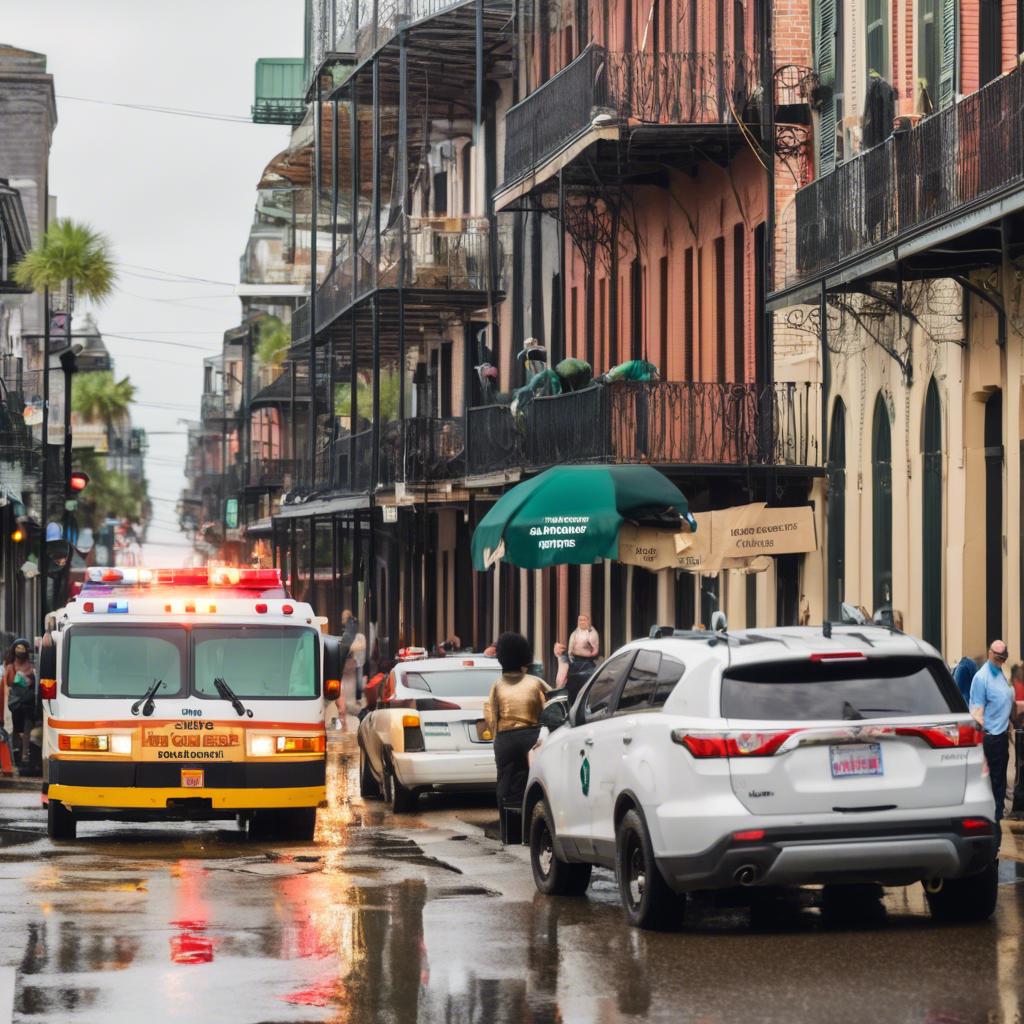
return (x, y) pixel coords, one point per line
(746, 875)
(933, 885)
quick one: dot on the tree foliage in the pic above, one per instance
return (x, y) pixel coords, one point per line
(97, 397)
(389, 394)
(274, 341)
(69, 252)
(110, 494)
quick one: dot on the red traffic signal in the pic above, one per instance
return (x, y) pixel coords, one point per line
(77, 482)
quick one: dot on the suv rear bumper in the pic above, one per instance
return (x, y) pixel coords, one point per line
(447, 768)
(809, 856)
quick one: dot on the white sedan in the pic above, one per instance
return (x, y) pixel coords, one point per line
(427, 731)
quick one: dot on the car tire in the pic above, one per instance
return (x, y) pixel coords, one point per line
(646, 897)
(60, 822)
(965, 900)
(369, 787)
(552, 876)
(399, 798)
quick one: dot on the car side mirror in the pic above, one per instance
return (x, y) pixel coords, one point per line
(335, 653)
(556, 710)
(48, 668)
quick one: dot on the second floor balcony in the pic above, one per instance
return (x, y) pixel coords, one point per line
(442, 255)
(920, 190)
(603, 96)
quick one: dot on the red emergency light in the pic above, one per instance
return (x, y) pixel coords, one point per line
(227, 580)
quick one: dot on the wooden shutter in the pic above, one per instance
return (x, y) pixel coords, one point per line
(825, 68)
(947, 58)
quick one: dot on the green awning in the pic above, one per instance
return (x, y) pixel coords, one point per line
(571, 515)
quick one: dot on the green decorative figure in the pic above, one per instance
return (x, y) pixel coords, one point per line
(585, 776)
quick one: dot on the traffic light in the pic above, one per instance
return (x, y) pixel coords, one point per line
(78, 481)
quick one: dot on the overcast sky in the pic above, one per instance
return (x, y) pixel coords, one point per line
(175, 195)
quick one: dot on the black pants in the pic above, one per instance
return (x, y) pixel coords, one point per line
(511, 748)
(997, 753)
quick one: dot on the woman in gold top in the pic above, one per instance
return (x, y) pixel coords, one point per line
(513, 716)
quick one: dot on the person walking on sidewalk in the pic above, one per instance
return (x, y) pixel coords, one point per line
(992, 706)
(19, 685)
(512, 713)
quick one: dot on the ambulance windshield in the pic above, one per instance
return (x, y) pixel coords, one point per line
(257, 661)
(113, 661)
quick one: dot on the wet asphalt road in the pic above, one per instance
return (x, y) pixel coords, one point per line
(427, 919)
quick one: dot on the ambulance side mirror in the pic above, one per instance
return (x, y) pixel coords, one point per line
(335, 653)
(48, 668)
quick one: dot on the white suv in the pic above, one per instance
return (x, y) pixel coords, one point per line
(765, 757)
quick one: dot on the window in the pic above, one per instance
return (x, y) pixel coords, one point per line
(929, 53)
(689, 336)
(256, 661)
(835, 519)
(452, 682)
(931, 520)
(115, 662)
(467, 179)
(663, 317)
(739, 306)
(805, 690)
(881, 506)
(720, 308)
(603, 686)
(641, 681)
(877, 39)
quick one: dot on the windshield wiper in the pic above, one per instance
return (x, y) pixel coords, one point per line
(146, 700)
(850, 713)
(228, 694)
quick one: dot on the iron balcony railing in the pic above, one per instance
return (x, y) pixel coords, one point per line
(268, 473)
(443, 254)
(215, 408)
(602, 86)
(661, 422)
(952, 161)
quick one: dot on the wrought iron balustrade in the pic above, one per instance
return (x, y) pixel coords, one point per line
(948, 163)
(652, 88)
(435, 449)
(495, 442)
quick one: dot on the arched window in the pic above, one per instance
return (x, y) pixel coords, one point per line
(881, 507)
(931, 520)
(994, 517)
(836, 514)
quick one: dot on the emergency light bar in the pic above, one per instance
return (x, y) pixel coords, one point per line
(226, 579)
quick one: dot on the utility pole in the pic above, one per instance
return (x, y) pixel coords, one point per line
(43, 481)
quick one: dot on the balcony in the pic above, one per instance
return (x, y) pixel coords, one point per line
(279, 95)
(441, 255)
(214, 409)
(269, 474)
(662, 423)
(605, 96)
(920, 188)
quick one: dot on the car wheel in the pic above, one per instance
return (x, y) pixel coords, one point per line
(552, 876)
(369, 787)
(962, 900)
(401, 799)
(60, 822)
(646, 896)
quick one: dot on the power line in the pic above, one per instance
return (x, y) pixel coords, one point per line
(174, 273)
(153, 109)
(161, 341)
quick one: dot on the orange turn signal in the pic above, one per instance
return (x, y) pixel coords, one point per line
(410, 721)
(88, 744)
(301, 744)
(332, 689)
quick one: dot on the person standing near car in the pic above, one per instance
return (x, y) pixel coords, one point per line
(19, 683)
(583, 647)
(991, 706)
(512, 713)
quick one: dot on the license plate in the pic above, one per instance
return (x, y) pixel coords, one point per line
(482, 732)
(435, 729)
(192, 779)
(856, 759)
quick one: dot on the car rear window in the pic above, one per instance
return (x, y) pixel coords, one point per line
(808, 690)
(453, 682)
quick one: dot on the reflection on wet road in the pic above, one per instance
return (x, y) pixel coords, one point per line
(427, 920)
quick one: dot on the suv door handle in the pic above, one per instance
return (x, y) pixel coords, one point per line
(588, 742)
(627, 740)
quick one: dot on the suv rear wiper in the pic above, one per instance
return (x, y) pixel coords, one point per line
(146, 700)
(228, 694)
(850, 713)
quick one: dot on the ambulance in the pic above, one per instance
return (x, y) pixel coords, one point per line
(186, 695)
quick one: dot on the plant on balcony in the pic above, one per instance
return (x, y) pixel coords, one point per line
(70, 256)
(389, 389)
(274, 341)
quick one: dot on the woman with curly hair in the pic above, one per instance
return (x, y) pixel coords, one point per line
(512, 713)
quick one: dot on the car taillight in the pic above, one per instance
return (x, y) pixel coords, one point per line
(975, 826)
(48, 689)
(86, 744)
(955, 734)
(750, 835)
(300, 744)
(732, 744)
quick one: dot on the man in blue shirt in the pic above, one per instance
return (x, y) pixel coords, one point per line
(991, 704)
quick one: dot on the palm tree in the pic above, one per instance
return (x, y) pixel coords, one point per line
(73, 257)
(97, 397)
(275, 340)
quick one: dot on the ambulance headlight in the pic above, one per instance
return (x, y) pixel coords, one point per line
(120, 744)
(261, 746)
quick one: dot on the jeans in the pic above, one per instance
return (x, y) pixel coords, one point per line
(511, 754)
(997, 753)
